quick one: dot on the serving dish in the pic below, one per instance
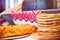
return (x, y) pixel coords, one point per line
(16, 37)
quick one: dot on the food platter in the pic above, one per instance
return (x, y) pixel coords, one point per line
(16, 37)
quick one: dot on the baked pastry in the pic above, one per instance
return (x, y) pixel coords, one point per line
(45, 15)
(57, 15)
(48, 33)
(18, 30)
(47, 20)
(48, 26)
(1, 32)
(46, 36)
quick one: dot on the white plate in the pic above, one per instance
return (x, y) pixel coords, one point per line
(17, 37)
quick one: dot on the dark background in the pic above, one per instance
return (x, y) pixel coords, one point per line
(2, 5)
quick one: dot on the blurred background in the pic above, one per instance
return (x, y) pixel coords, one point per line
(30, 5)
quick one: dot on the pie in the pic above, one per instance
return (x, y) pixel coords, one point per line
(17, 30)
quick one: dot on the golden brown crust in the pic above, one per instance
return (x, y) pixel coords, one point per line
(48, 26)
(48, 20)
(18, 30)
(46, 36)
(48, 32)
(50, 29)
(1, 32)
(45, 15)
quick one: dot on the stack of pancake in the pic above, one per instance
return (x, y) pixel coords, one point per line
(48, 26)
(48, 19)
